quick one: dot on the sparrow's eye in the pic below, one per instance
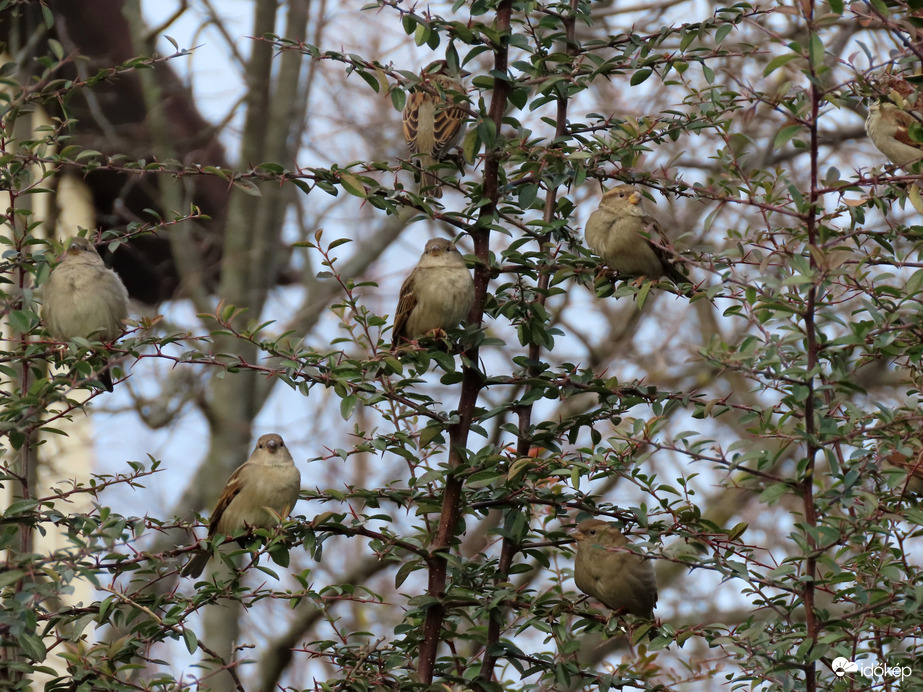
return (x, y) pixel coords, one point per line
(592, 532)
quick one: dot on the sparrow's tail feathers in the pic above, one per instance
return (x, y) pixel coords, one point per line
(197, 564)
(430, 184)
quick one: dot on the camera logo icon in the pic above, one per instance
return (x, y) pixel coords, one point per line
(841, 666)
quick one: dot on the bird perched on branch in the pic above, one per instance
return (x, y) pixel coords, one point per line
(895, 122)
(84, 298)
(262, 491)
(913, 466)
(628, 239)
(434, 119)
(622, 580)
(437, 294)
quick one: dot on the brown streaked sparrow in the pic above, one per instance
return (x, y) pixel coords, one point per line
(261, 491)
(620, 579)
(888, 126)
(913, 466)
(84, 298)
(434, 120)
(616, 232)
(437, 294)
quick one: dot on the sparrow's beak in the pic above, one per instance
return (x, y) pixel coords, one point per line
(578, 535)
(635, 198)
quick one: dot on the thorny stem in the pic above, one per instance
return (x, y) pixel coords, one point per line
(509, 547)
(472, 378)
(810, 511)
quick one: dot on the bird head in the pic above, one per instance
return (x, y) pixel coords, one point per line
(78, 246)
(272, 443)
(442, 67)
(438, 247)
(592, 530)
(624, 197)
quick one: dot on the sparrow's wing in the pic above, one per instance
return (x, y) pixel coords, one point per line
(664, 251)
(647, 581)
(450, 118)
(231, 490)
(902, 133)
(447, 129)
(911, 466)
(405, 306)
(410, 118)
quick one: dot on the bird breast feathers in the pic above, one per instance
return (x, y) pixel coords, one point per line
(269, 487)
(84, 304)
(442, 283)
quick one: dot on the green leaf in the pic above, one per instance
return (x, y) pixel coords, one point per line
(708, 73)
(279, 554)
(348, 405)
(370, 79)
(353, 185)
(738, 531)
(56, 48)
(487, 131)
(10, 577)
(192, 642)
(23, 321)
(20, 507)
(428, 434)
(817, 51)
(784, 135)
(405, 571)
(398, 99)
(421, 34)
(775, 491)
(247, 186)
(915, 130)
(779, 61)
(31, 645)
(640, 76)
(471, 145)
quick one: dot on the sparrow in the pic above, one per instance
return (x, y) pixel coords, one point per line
(84, 298)
(914, 469)
(437, 295)
(888, 126)
(616, 232)
(258, 494)
(434, 119)
(621, 580)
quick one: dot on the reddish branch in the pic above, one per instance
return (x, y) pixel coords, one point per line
(810, 511)
(473, 379)
(509, 547)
